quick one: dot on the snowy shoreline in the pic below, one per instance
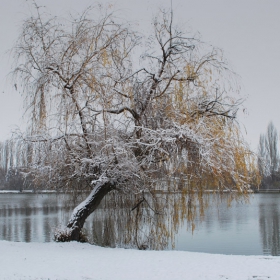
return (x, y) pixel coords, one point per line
(76, 261)
(28, 191)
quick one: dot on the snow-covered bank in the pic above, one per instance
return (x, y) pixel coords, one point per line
(28, 191)
(75, 261)
(9, 191)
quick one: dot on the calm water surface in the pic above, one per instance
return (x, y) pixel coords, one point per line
(243, 229)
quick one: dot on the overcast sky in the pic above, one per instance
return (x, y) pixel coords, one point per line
(247, 30)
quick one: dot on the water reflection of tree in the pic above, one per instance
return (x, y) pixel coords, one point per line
(269, 222)
(24, 217)
(153, 224)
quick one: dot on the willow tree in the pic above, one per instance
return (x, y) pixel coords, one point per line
(103, 120)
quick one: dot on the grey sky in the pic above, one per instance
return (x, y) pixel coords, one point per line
(247, 30)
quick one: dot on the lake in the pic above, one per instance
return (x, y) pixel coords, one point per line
(242, 228)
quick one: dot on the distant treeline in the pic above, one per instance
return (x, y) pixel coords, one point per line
(13, 166)
(269, 159)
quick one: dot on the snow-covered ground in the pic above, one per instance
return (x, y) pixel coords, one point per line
(27, 191)
(9, 191)
(75, 261)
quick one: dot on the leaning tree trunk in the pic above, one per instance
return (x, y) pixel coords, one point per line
(84, 209)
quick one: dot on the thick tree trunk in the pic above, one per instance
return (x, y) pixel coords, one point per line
(84, 209)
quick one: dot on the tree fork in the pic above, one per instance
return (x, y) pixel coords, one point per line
(85, 208)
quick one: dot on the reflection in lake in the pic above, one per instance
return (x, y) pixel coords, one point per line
(269, 223)
(31, 217)
(202, 225)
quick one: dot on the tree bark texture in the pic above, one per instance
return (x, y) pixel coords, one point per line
(84, 209)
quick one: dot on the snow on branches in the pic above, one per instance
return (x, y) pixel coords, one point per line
(100, 117)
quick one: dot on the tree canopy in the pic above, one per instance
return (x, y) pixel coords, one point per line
(104, 118)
